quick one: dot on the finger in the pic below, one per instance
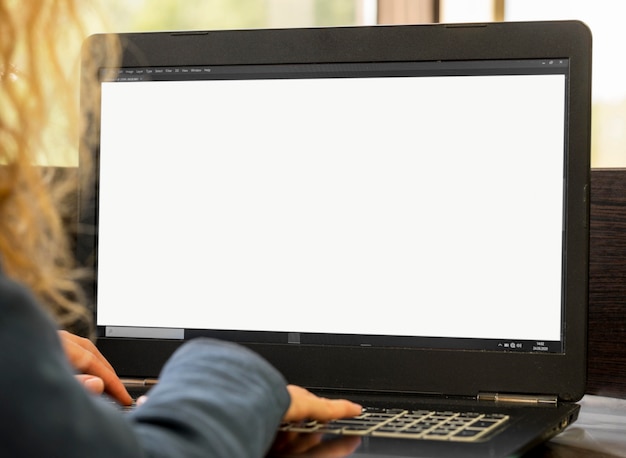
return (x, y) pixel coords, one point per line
(93, 384)
(86, 344)
(306, 405)
(87, 362)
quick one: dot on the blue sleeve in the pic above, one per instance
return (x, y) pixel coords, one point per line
(45, 411)
(210, 394)
(213, 400)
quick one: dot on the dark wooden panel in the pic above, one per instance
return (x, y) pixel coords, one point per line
(607, 284)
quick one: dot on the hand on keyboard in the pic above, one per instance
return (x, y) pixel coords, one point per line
(307, 406)
(97, 375)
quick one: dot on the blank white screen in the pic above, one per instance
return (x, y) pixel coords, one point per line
(401, 206)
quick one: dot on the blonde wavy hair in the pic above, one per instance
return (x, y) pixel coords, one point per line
(39, 120)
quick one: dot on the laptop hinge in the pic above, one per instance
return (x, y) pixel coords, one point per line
(512, 398)
(131, 383)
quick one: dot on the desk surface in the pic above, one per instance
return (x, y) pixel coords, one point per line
(599, 432)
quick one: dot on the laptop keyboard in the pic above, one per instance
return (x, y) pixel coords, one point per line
(417, 424)
(399, 423)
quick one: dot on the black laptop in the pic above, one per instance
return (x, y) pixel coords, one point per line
(397, 215)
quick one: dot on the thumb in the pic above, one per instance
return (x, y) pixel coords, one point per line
(92, 383)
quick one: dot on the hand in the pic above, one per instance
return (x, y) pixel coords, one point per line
(97, 375)
(307, 406)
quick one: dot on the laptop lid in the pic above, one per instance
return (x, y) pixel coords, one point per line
(372, 209)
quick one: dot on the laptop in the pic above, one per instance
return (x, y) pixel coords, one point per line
(397, 215)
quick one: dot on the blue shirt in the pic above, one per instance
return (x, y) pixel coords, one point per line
(214, 399)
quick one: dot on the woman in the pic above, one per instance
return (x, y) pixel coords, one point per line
(213, 399)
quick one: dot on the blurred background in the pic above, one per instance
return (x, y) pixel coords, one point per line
(602, 16)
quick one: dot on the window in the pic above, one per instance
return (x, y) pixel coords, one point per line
(608, 131)
(145, 15)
